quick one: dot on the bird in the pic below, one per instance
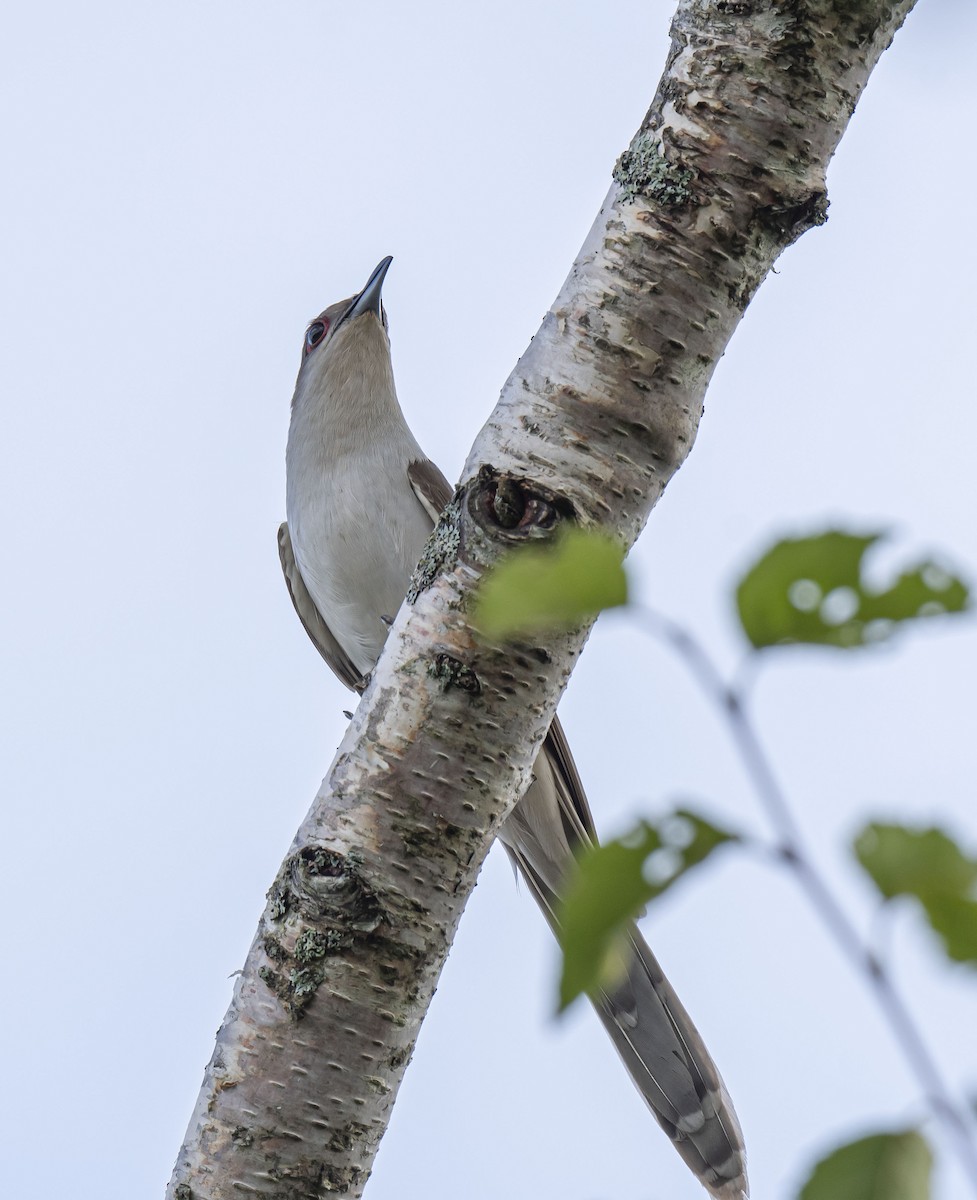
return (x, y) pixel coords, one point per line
(361, 501)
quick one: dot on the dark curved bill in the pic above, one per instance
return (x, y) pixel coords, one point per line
(369, 299)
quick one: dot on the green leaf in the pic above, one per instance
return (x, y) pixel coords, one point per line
(954, 918)
(884, 1166)
(914, 862)
(810, 590)
(613, 883)
(928, 865)
(553, 586)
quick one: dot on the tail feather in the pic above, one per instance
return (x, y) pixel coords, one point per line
(667, 1060)
(654, 1035)
(671, 1068)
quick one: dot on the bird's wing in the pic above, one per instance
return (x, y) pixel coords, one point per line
(574, 809)
(430, 487)
(310, 617)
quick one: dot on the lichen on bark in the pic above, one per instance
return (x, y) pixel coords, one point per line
(644, 170)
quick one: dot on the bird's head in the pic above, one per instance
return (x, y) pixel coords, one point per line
(347, 343)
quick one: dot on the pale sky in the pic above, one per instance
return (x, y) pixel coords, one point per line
(186, 185)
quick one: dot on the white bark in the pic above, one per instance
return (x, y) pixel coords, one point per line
(726, 170)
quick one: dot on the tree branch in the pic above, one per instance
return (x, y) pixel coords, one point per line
(793, 852)
(726, 170)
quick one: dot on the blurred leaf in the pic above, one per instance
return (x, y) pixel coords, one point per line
(810, 590)
(954, 918)
(612, 885)
(914, 862)
(884, 1166)
(928, 865)
(554, 586)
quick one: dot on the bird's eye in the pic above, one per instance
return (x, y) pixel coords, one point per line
(314, 335)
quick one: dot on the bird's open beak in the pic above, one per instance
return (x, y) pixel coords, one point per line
(369, 299)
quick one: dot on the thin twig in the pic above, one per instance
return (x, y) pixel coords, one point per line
(794, 854)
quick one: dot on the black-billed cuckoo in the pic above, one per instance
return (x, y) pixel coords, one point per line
(361, 500)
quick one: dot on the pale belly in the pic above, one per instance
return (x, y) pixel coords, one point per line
(356, 555)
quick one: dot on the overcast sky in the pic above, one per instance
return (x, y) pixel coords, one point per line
(186, 185)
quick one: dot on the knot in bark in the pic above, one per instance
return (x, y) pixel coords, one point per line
(513, 509)
(327, 887)
(451, 672)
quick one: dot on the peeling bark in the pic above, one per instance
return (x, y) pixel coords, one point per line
(725, 172)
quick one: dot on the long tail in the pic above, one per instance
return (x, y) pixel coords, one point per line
(654, 1035)
(672, 1069)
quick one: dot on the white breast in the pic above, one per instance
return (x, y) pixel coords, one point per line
(357, 531)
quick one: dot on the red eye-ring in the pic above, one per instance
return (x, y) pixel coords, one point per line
(315, 333)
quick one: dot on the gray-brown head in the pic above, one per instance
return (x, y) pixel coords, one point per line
(345, 392)
(348, 342)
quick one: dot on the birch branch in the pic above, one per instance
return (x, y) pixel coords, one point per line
(726, 170)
